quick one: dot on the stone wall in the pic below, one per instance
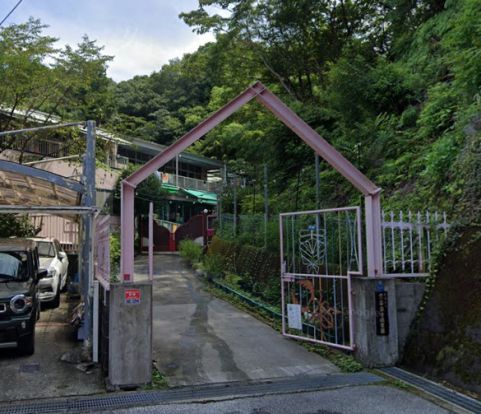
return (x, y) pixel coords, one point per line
(445, 342)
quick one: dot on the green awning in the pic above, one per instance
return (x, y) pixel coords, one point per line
(170, 188)
(202, 196)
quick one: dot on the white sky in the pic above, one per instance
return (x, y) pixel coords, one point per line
(141, 34)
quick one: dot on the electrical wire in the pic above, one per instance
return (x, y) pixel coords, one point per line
(11, 11)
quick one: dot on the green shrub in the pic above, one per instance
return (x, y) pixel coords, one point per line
(190, 251)
(214, 264)
(257, 269)
(114, 257)
(114, 250)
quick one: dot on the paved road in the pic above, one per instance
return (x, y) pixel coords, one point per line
(372, 399)
(198, 339)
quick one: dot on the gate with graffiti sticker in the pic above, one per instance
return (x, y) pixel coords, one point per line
(320, 251)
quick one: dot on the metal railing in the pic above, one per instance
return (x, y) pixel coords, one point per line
(191, 183)
(409, 241)
(119, 162)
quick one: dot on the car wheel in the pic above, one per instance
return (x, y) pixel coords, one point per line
(56, 300)
(26, 345)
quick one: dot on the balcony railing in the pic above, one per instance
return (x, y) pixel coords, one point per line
(120, 162)
(191, 183)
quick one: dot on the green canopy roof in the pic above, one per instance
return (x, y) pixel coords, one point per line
(170, 188)
(202, 196)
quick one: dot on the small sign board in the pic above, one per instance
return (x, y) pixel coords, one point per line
(294, 320)
(132, 296)
(382, 316)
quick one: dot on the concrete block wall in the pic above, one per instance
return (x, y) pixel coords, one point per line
(373, 350)
(130, 336)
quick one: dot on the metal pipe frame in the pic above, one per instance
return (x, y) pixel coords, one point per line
(41, 128)
(22, 169)
(299, 127)
(64, 210)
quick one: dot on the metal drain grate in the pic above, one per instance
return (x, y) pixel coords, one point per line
(437, 390)
(205, 392)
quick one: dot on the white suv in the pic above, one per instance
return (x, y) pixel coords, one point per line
(52, 258)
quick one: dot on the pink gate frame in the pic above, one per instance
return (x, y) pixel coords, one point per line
(265, 97)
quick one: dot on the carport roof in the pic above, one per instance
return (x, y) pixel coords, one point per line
(22, 185)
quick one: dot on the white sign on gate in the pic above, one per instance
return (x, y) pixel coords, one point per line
(294, 316)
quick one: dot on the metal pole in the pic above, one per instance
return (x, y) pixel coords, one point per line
(68, 157)
(318, 190)
(95, 345)
(87, 257)
(176, 170)
(151, 241)
(266, 205)
(235, 206)
(24, 130)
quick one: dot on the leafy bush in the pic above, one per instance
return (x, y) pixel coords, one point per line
(214, 264)
(18, 226)
(257, 268)
(114, 254)
(190, 251)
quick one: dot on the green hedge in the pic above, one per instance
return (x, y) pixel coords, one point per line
(257, 268)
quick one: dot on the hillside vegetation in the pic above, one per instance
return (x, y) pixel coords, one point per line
(394, 85)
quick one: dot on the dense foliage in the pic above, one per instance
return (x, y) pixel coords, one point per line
(255, 270)
(394, 85)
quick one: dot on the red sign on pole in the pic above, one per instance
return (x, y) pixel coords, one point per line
(132, 296)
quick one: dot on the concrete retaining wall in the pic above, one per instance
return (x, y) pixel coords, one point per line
(408, 298)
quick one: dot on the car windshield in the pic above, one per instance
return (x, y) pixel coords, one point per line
(45, 249)
(13, 265)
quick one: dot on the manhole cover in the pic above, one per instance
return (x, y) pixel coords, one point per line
(30, 368)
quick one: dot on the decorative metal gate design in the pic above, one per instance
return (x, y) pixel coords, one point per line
(320, 250)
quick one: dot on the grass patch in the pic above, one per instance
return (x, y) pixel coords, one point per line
(159, 382)
(345, 362)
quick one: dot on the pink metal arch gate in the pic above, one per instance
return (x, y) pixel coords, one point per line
(265, 97)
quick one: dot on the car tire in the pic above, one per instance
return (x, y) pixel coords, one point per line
(56, 300)
(26, 345)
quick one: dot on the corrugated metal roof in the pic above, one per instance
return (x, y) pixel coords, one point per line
(44, 189)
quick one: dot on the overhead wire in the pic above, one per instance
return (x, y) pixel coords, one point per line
(10, 12)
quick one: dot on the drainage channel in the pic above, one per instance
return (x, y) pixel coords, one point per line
(432, 388)
(185, 394)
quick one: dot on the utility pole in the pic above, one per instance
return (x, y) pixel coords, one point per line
(86, 253)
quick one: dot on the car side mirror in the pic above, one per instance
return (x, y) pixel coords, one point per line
(62, 255)
(42, 273)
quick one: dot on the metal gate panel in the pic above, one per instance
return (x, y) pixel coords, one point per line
(320, 250)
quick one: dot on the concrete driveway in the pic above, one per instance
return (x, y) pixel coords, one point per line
(43, 374)
(198, 339)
